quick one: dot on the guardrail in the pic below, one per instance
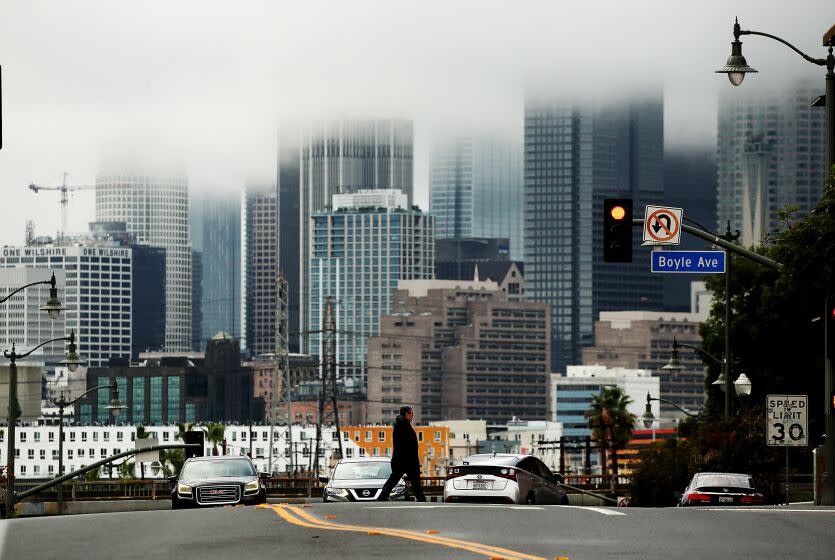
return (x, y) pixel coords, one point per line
(277, 487)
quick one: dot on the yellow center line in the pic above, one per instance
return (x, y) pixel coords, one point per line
(304, 519)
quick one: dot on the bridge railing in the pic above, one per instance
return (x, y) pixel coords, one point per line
(277, 487)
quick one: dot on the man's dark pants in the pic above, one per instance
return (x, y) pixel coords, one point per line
(396, 474)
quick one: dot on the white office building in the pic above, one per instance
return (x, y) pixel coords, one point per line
(94, 282)
(155, 209)
(573, 393)
(36, 448)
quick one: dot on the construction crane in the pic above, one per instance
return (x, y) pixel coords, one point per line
(64, 189)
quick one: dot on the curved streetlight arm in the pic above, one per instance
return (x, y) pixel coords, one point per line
(690, 414)
(703, 351)
(61, 403)
(15, 356)
(738, 32)
(51, 282)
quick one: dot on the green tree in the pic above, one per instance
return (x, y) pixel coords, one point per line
(664, 469)
(127, 470)
(215, 432)
(774, 338)
(611, 422)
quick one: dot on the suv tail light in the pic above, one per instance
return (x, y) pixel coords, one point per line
(696, 497)
(752, 499)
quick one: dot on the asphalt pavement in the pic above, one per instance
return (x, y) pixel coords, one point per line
(427, 531)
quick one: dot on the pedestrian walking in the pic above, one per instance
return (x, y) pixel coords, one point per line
(405, 459)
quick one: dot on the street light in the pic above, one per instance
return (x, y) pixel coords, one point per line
(71, 361)
(115, 408)
(742, 385)
(736, 67)
(648, 418)
(53, 305)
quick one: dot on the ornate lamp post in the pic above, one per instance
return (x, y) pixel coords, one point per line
(648, 418)
(115, 408)
(742, 385)
(72, 362)
(736, 67)
(53, 307)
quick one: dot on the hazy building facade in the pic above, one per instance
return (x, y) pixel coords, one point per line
(96, 290)
(644, 340)
(360, 253)
(689, 184)
(290, 236)
(218, 218)
(475, 189)
(460, 350)
(770, 156)
(259, 252)
(345, 157)
(574, 159)
(155, 210)
(178, 389)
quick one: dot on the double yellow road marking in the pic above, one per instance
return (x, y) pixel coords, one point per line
(297, 516)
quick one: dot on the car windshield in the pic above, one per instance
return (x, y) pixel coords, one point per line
(359, 471)
(733, 480)
(212, 469)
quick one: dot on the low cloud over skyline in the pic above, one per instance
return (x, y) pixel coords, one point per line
(210, 80)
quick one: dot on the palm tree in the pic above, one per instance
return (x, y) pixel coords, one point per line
(215, 432)
(611, 422)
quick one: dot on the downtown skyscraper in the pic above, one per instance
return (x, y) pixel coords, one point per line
(475, 189)
(341, 157)
(216, 233)
(770, 156)
(362, 248)
(154, 207)
(575, 157)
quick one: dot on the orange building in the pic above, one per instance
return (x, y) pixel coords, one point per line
(375, 441)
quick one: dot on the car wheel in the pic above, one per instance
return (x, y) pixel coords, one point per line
(530, 500)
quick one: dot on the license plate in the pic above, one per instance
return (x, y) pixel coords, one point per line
(726, 499)
(479, 485)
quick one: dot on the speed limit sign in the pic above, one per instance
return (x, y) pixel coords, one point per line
(787, 420)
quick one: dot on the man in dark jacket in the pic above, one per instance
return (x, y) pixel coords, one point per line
(405, 459)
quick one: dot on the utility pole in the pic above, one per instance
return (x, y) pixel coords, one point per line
(282, 368)
(327, 379)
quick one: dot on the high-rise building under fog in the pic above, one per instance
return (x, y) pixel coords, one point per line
(154, 208)
(339, 157)
(770, 156)
(260, 268)
(575, 157)
(475, 189)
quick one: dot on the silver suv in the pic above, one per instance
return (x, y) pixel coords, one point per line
(360, 480)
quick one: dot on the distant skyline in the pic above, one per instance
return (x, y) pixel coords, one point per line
(208, 82)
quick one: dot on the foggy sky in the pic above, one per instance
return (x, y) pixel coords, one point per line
(209, 81)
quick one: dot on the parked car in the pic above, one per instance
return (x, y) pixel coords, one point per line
(503, 478)
(360, 480)
(217, 481)
(721, 489)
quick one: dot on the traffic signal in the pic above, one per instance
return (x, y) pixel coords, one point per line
(829, 327)
(195, 436)
(617, 230)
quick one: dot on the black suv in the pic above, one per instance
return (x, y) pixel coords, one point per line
(217, 481)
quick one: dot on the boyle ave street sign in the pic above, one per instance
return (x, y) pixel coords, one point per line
(702, 262)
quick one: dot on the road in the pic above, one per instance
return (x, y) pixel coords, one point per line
(426, 531)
